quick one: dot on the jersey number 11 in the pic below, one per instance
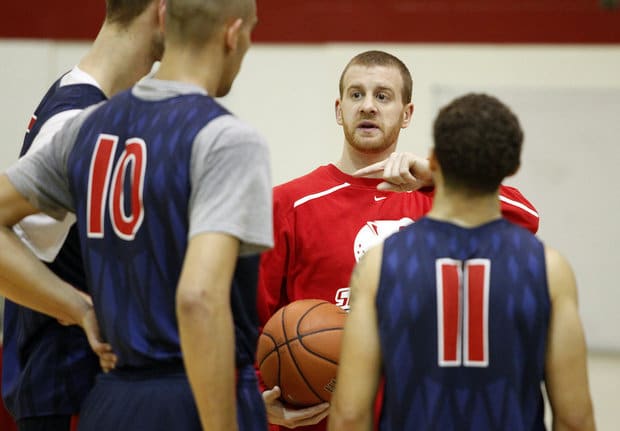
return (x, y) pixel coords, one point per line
(463, 312)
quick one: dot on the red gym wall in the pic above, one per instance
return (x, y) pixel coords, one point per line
(315, 21)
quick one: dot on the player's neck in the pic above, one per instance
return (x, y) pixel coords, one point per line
(199, 67)
(117, 60)
(465, 209)
(352, 160)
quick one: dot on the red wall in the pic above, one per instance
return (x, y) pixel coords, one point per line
(445, 21)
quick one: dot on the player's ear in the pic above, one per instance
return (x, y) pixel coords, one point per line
(338, 109)
(433, 164)
(407, 115)
(161, 14)
(233, 30)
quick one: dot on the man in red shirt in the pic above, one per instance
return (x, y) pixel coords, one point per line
(326, 220)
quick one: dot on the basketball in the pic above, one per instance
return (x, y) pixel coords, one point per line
(299, 349)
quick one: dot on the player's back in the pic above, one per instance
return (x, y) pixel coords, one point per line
(131, 168)
(144, 173)
(463, 316)
(49, 368)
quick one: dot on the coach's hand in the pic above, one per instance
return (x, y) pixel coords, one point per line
(278, 414)
(400, 172)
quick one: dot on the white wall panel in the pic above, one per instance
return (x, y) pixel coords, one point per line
(288, 93)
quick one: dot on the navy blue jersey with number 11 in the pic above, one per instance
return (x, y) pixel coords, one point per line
(463, 317)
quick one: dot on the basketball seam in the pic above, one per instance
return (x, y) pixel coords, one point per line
(300, 337)
(309, 350)
(274, 350)
(290, 350)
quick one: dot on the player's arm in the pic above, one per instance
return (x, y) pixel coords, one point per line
(27, 281)
(566, 368)
(43, 234)
(206, 327)
(360, 360)
(230, 211)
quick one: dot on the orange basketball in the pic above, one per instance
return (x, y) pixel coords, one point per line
(299, 349)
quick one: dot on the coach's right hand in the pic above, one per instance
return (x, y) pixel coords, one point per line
(400, 172)
(278, 414)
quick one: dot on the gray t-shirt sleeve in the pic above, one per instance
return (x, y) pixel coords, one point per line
(231, 184)
(41, 175)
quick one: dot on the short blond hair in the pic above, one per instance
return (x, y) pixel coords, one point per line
(194, 21)
(381, 58)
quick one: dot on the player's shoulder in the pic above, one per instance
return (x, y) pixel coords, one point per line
(61, 97)
(229, 133)
(556, 261)
(230, 127)
(560, 275)
(367, 271)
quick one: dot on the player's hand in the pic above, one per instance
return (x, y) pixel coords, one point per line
(88, 322)
(400, 172)
(107, 358)
(278, 414)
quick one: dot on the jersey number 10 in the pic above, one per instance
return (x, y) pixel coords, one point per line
(105, 185)
(463, 312)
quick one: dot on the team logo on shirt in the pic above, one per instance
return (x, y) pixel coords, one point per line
(342, 298)
(372, 233)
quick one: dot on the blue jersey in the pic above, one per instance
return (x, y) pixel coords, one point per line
(48, 369)
(463, 317)
(134, 252)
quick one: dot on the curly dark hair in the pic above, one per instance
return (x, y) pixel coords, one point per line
(478, 142)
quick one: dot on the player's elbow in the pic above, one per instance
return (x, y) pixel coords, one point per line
(575, 420)
(348, 419)
(199, 302)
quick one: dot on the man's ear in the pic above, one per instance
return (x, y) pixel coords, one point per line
(232, 34)
(407, 115)
(338, 110)
(161, 14)
(433, 164)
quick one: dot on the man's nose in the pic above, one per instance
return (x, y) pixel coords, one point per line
(368, 105)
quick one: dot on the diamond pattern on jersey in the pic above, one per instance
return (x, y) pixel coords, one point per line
(420, 394)
(134, 281)
(49, 368)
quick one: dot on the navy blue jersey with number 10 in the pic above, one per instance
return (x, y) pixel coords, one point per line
(143, 173)
(132, 161)
(463, 317)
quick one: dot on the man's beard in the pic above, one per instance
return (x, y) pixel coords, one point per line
(373, 145)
